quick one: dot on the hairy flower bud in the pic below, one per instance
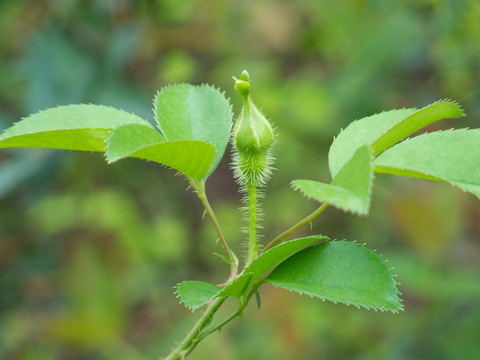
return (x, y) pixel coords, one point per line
(252, 131)
(252, 139)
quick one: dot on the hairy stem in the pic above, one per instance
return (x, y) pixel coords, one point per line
(191, 340)
(295, 227)
(197, 334)
(252, 223)
(200, 190)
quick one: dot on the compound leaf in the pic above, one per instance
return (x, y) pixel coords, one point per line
(72, 127)
(384, 130)
(191, 157)
(452, 156)
(188, 112)
(361, 132)
(340, 271)
(351, 188)
(194, 294)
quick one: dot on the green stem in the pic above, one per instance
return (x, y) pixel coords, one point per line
(195, 335)
(222, 324)
(191, 340)
(252, 223)
(235, 314)
(200, 190)
(295, 227)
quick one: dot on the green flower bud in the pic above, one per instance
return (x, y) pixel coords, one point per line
(252, 138)
(252, 131)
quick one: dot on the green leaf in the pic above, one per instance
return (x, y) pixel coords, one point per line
(194, 294)
(267, 260)
(191, 157)
(351, 188)
(237, 287)
(72, 127)
(264, 263)
(340, 271)
(361, 132)
(188, 112)
(452, 156)
(416, 121)
(125, 140)
(224, 258)
(383, 130)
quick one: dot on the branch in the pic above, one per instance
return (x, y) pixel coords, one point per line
(191, 340)
(295, 227)
(200, 190)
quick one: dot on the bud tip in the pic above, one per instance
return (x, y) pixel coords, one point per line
(245, 76)
(242, 85)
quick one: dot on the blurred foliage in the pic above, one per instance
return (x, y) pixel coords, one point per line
(89, 253)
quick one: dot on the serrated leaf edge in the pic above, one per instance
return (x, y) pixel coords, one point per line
(370, 190)
(181, 301)
(111, 161)
(342, 130)
(165, 87)
(358, 306)
(446, 101)
(60, 107)
(296, 187)
(317, 237)
(453, 183)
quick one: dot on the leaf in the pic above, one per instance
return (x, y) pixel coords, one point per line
(361, 132)
(351, 188)
(194, 294)
(237, 287)
(452, 156)
(265, 262)
(416, 121)
(383, 130)
(72, 127)
(340, 271)
(125, 140)
(188, 112)
(224, 258)
(191, 157)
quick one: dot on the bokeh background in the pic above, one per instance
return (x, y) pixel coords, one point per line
(90, 253)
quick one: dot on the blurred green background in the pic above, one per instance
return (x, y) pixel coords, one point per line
(90, 253)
